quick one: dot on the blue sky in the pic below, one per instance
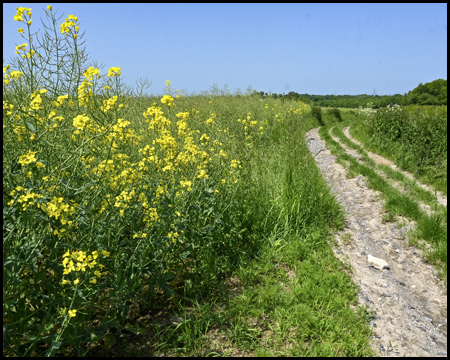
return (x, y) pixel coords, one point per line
(307, 48)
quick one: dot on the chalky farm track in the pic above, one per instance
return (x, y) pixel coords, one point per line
(408, 300)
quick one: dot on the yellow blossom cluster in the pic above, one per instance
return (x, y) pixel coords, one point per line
(109, 104)
(211, 119)
(36, 100)
(123, 200)
(57, 208)
(11, 75)
(80, 261)
(20, 13)
(80, 122)
(26, 199)
(22, 47)
(27, 158)
(91, 72)
(20, 130)
(114, 71)
(60, 100)
(8, 107)
(70, 21)
(80, 264)
(167, 99)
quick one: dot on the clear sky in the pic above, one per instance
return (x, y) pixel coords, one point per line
(307, 48)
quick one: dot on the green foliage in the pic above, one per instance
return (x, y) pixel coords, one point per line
(416, 138)
(432, 93)
(316, 111)
(335, 113)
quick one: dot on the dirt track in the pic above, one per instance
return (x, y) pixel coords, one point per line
(408, 299)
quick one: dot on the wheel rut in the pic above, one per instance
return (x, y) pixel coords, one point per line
(408, 300)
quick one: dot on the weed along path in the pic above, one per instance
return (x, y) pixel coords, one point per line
(407, 299)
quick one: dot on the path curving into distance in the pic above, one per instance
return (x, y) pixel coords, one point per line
(441, 198)
(407, 298)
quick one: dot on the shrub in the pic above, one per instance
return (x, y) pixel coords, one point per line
(317, 113)
(335, 113)
(416, 138)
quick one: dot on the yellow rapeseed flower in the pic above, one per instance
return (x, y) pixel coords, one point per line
(105, 253)
(202, 173)
(114, 71)
(27, 158)
(167, 99)
(72, 313)
(235, 164)
(19, 14)
(80, 121)
(69, 22)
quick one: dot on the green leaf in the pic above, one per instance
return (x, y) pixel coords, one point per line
(95, 337)
(15, 168)
(110, 340)
(11, 261)
(80, 294)
(30, 127)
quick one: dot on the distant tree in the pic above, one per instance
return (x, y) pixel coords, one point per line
(432, 93)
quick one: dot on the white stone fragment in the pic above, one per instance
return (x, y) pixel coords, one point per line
(377, 263)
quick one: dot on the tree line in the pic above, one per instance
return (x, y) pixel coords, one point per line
(432, 93)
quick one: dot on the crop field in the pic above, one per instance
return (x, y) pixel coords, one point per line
(170, 225)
